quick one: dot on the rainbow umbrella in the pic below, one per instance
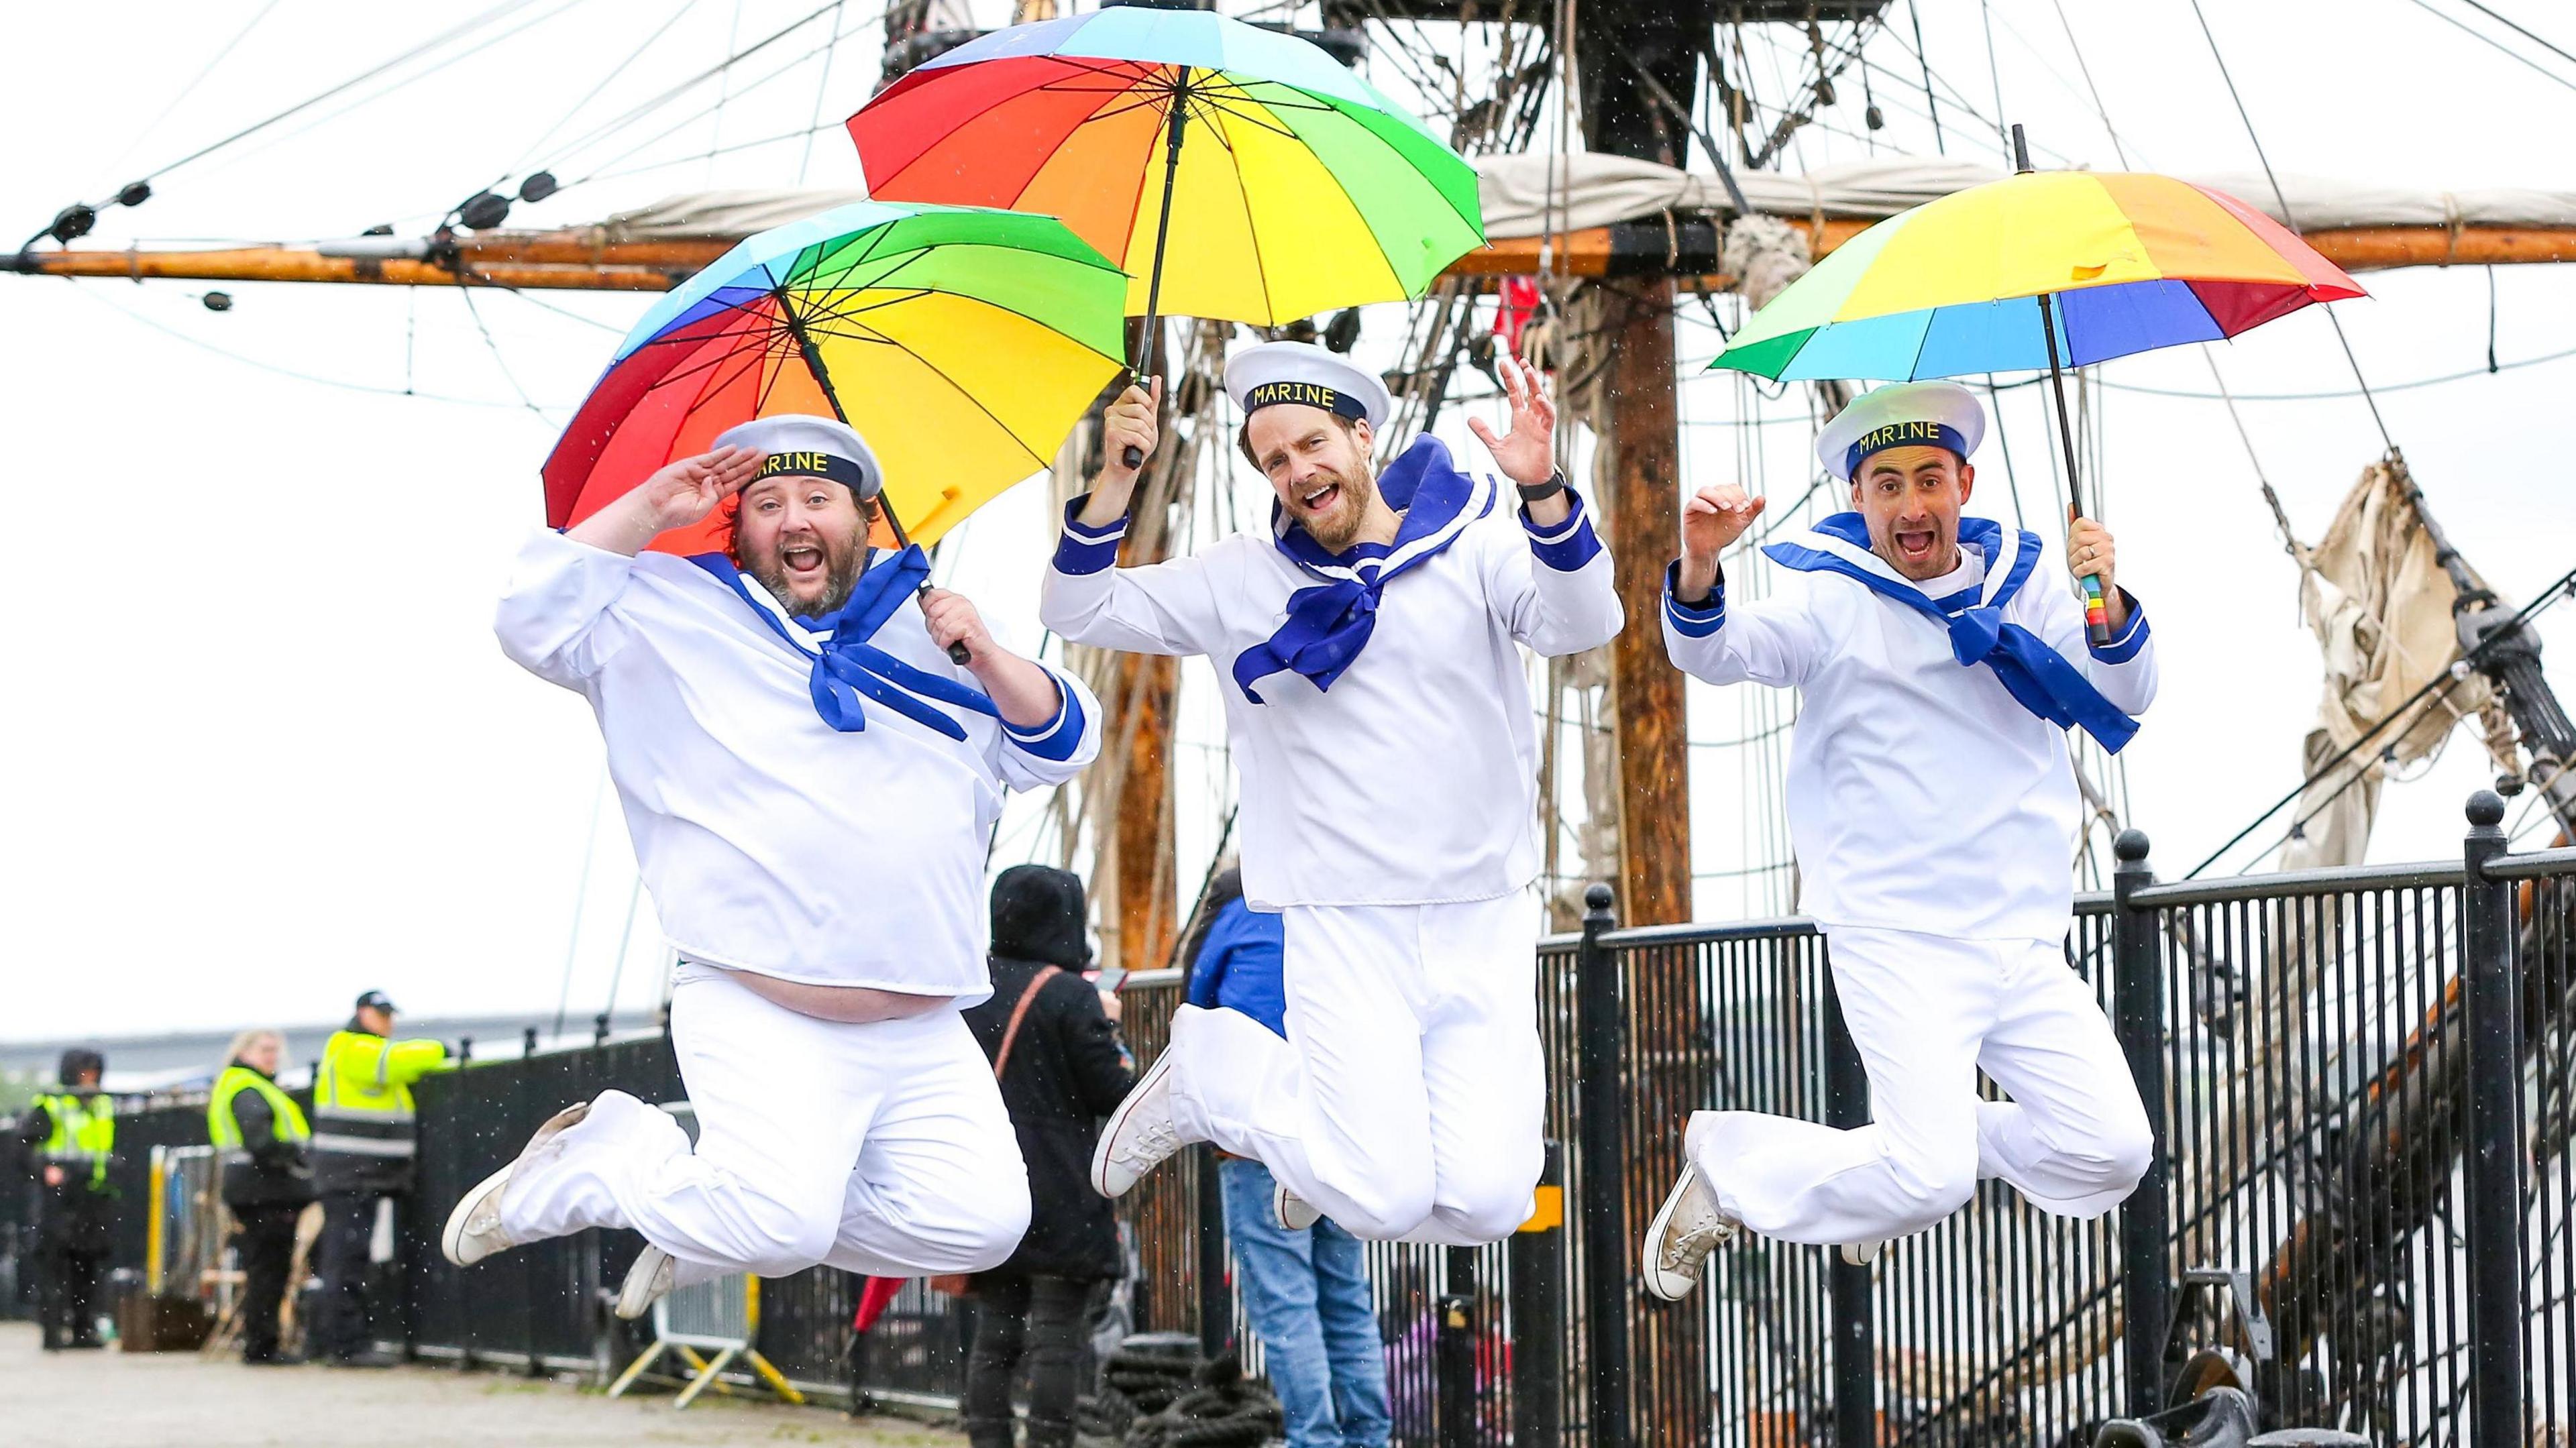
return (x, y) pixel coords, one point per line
(2040, 269)
(1288, 184)
(963, 345)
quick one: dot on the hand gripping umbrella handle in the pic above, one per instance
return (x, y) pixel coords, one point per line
(2097, 615)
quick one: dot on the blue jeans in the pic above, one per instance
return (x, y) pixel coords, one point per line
(1307, 1294)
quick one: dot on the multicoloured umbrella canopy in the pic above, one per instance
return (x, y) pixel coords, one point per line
(1298, 186)
(2134, 262)
(963, 345)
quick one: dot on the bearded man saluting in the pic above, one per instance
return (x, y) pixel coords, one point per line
(810, 783)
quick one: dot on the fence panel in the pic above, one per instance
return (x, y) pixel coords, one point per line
(2318, 1069)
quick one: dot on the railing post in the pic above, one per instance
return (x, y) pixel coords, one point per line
(2146, 1219)
(1535, 1260)
(1855, 1366)
(2493, 988)
(1608, 1266)
(1455, 1353)
(1216, 1304)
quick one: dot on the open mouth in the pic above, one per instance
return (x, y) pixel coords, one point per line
(1916, 546)
(1321, 498)
(803, 560)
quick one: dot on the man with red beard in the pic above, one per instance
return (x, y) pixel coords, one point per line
(1370, 640)
(1939, 665)
(810, 784)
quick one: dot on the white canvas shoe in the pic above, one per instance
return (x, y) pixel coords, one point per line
(645, 1284)
(1859, 1254)
(1141, 1134)
(1686, 1228)
(473, 1230)
(1294, 1212)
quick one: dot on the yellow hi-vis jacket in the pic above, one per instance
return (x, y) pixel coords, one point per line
(84, 1134)
(363, 1137)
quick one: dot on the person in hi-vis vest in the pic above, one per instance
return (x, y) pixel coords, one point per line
(261, 1142)
(71, 1133)
(364, 1140)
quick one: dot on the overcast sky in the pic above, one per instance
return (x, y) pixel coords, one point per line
(264, 752)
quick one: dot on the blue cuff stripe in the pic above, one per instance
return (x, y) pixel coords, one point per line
(1058, 737)
(1087, 550)
(2132, 639)
(1570, 544)
(1692, 621)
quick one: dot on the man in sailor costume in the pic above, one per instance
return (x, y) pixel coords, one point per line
(1368, 648)
(1940, 660)
(810, 783)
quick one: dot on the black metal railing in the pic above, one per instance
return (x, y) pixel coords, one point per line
(2362, 1212)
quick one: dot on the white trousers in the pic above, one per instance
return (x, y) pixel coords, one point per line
(1927, 1013)
(880, 1148)
(1408, 1101)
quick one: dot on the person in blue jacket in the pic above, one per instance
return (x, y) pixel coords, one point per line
(1306, 1289)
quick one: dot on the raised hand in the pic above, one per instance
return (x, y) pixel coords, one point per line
(1526, 454)
(686, 491)
(1128, 423)
(1712, 519)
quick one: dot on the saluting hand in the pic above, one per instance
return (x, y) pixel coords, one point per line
(686, 491)
(1526, 454)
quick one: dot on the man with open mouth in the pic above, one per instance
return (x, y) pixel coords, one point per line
(1369, 641)
(810, 782)
(1935, 814)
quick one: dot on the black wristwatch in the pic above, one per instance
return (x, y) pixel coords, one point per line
(1541, 492)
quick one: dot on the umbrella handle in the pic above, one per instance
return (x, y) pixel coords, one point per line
(2097, 616)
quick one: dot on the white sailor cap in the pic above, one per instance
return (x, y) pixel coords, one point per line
(1906, 414)
(813, 447)
(1301, 372)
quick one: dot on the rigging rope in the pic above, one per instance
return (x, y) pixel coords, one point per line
(190, 88)
(2492, 43)
(2510, 629)
(1920, 54)
(2518, 30)
(2281, 199)
(462, 28)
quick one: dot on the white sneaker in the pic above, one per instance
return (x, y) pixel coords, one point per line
(1859, 1254)
(1686, 1228)
(645, 1284)
(1294, 1212)
(473, 1229)
(1141, 1134)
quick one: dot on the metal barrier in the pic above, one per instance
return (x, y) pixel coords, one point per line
(185, 1236)
(721, 1316)
(2363, 1209)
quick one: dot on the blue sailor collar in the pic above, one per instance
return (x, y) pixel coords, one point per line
(2037, 676)
(1330, 623)
(846, 666)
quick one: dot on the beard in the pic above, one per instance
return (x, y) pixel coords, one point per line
(844, 559)
(1339, 526)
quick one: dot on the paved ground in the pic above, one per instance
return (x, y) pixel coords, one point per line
(179, 1400)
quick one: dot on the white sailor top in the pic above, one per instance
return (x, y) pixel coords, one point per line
(772, 839)
(1924, 792)
(1376, 699)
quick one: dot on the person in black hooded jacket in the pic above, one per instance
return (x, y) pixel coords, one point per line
(1064, 1071)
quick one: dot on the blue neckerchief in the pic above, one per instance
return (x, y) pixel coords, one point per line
(1330, 623)
(847, 665)
(2038, 677)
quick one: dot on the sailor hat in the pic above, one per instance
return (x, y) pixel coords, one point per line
(1301, 372)
(809, 447)
(1906, 414)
